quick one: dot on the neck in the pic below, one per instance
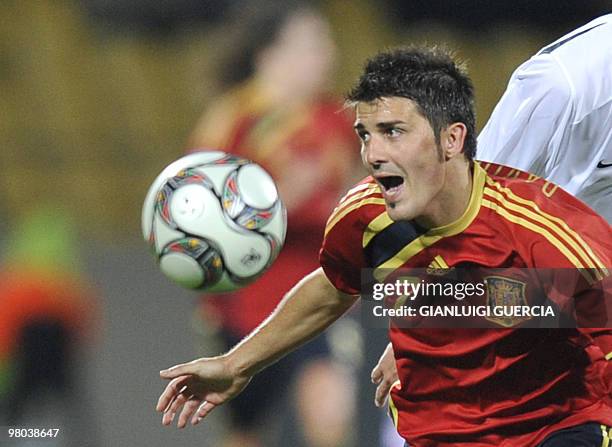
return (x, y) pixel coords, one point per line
(454, 196)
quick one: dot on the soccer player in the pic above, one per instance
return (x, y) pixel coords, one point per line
(554, 120)
(427, 201)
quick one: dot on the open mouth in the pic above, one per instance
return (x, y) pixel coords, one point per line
(390, 182)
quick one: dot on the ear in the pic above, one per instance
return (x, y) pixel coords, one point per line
(452, 139)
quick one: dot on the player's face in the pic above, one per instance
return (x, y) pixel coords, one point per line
(303, 55)
(399, 150)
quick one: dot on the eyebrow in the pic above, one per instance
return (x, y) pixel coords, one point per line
(382, 125)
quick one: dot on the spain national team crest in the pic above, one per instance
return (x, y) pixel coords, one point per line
(503, 295)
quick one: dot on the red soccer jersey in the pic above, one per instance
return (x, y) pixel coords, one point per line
(485, 387)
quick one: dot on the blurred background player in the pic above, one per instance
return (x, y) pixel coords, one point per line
(276, 112)
(47, 315)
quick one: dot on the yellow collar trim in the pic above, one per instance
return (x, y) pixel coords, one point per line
(470, 212)
(435, 234)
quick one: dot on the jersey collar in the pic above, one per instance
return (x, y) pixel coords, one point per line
(435, 234)
(471, 210)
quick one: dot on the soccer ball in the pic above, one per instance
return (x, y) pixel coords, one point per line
(214, 221)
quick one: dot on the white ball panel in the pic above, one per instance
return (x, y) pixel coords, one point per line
(188, 202)
(244, 254)
(163, 233)
(249, 258)
(256, 187)
(170, 171)
(182, 269)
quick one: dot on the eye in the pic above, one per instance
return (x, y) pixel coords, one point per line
(393, 132)
(363, 135)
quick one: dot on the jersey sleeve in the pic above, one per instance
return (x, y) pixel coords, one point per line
(526, 126)
(342, 255)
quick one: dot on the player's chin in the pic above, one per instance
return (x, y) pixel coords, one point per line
(403, 208)
(397, 212)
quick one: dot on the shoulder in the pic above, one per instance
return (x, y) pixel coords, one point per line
(342, 253)
(535, 107)
(553, 228)
(590, 36)
(357, 207)
(526, 188)
(542, 77)
(216, 125)
(592, 45)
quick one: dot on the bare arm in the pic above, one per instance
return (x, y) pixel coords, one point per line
(308, 309)
(199, 386)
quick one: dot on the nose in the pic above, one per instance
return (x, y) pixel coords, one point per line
(373, 154)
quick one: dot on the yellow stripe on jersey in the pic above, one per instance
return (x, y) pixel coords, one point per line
(514, 173)
(392, 408)
(366, 190)
(608, 356)
(502, 211)
(605, 442)
(410, 250)
(441, 262)
(585, 251)
(582, 259)
(378, 224)
(438, 263)
(434, 265)
(355, 189)
(339, 214)
(347, 199)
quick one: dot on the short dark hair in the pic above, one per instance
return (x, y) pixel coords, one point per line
(429, 76)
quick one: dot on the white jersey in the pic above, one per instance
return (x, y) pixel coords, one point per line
(555, 118)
